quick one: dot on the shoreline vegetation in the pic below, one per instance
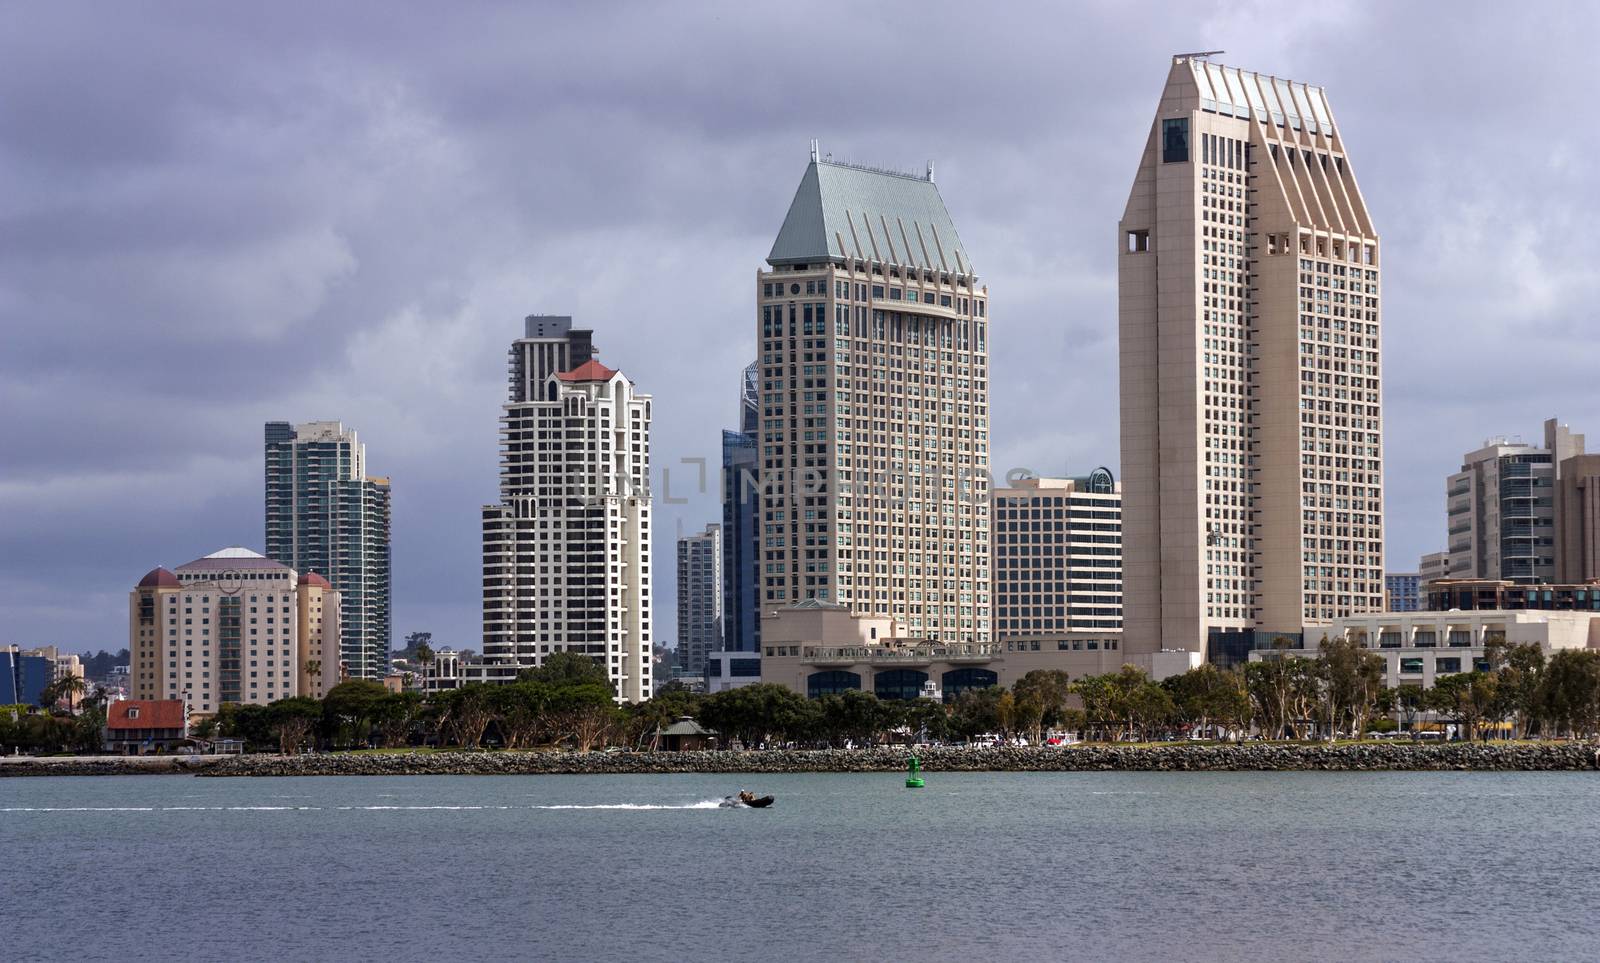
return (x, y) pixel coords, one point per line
(1100, 757)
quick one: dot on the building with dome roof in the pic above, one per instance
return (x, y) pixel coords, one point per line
(232, 627)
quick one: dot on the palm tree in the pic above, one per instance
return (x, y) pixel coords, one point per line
(71, 686)
(425, 656)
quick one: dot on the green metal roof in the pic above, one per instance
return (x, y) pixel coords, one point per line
(845, 211)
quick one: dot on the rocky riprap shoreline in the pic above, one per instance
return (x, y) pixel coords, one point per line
(1248, 757)
(1178, 758)
(105, 765)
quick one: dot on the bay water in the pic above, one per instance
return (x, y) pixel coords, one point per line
(977, 866)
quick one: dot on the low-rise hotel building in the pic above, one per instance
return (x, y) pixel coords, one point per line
(1418, 647)
(819, 648)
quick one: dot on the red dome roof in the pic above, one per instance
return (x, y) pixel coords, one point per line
(160, 578)
(312, 578)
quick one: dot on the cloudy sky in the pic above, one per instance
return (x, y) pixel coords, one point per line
(213, 216)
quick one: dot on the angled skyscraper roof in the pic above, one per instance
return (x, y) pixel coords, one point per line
(845, 211)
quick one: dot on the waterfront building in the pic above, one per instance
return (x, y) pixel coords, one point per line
(23, 676)
(1402, 591)
(741, 524)
(1057, 555)
(566, 551)
(1577, 519)
(818, 648)
(699, 598)
(1418, 647)
(325, 514)
(874, 397)
(1500, 508)
(139, 726)
(730, 670)
(1499, 594)
(232, 627)
(446, 670)
(1251, 407)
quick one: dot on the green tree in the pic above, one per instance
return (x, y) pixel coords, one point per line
(393, 716)
(1466, 697)
(853, 716)
(1207, 696)
(568, 668)
(246, 721)
(351, 708)
(1350, 679)
(464, 713)
(976, 711)
(645, 719)
(1044, 692)
(754, 713)
(292, 720)
(1569, 693)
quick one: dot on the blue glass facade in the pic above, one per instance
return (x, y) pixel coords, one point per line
(23, 677)
(741, 506)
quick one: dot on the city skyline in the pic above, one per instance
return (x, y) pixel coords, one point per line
(418, 326)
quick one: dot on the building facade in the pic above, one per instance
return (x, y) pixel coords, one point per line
(23, 676)
(699, 598)
(730, 670)
(566, 552)
(819, 648)
(1434, 565)
(741, 523)
(232, 627)
(1469, 595)
(874, 428)
(1057, 555)
(1251, 406)
(1577, 519)
(1418, 647)
(1402, 591)
(1500, 508)
(325, 514)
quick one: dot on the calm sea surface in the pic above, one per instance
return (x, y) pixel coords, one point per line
(1027, 866)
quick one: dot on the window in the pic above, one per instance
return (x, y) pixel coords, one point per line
(1175, 140)
(1138, 241)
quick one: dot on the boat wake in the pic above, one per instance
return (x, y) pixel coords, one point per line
(703, 804)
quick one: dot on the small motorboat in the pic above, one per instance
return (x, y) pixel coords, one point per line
(747, 799)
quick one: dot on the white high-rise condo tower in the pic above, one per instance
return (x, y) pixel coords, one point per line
(566, 552)
(1252, 427)
(874, 425)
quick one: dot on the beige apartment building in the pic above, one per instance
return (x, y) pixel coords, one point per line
(232, 627)
(1057, 555)
(874, 394)
(1577, 519)
(1252, 431)
(566, 551)
(1500, 507)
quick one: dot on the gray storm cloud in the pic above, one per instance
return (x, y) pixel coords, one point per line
(214, 216)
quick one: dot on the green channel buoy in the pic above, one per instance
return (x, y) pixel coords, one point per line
(914, 774)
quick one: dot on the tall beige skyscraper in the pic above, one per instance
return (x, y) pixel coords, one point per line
(1252, 430)
(874, 426)
(566, 551)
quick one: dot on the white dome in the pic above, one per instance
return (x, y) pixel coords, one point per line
(235, 551)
